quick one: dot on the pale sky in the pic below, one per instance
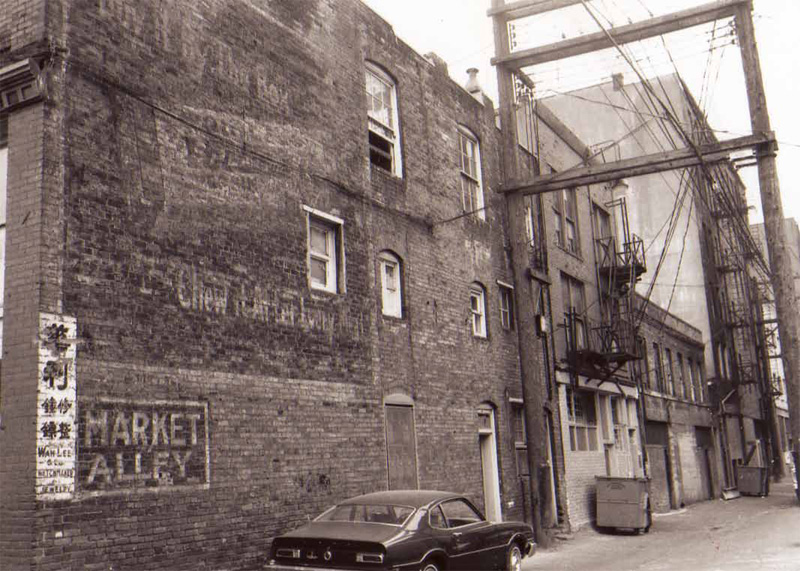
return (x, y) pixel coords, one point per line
(460, 32)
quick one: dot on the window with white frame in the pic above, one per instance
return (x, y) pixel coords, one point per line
(520, 438)
(471, 185)
(391, 285)
(325, 251)
(506, 305)
(582, 418)
(477, 304)
(384, 140)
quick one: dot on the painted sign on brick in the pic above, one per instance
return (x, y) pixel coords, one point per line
(126, 446)
(55, 446)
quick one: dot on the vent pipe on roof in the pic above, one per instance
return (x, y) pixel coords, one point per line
(472, 86)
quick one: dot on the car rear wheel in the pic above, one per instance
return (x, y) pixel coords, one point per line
(514, 559)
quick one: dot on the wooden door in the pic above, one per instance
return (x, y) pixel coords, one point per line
(401, 447)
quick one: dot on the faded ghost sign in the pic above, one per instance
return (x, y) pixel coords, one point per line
(137, 446)
(55, 438)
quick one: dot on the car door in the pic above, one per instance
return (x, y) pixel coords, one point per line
(468, 535)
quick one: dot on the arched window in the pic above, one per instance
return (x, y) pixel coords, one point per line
(477, 305)
(390, 270)
(384, 128)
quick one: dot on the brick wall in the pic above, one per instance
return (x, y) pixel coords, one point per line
(581, 469)
(683, 413)
(22, 26)
(23, 275)
(185, 142)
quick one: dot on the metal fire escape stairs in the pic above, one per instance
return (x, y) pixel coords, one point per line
(597, 350)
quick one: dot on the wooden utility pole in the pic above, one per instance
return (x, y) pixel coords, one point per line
(782, 279)
(531, 361)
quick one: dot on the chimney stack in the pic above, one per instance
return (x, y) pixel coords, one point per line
(472, 86)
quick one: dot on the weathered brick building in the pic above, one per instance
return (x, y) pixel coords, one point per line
(683, 460)
(580, 240)
(254, 264)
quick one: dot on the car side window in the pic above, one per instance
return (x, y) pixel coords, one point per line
(459, 512)
(436, 518)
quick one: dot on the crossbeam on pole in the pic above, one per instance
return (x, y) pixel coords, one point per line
(621, 35)
(524, 8)
(638, 166)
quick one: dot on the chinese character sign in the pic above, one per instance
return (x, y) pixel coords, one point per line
(55, 449)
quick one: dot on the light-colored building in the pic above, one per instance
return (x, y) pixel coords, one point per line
(700, 256)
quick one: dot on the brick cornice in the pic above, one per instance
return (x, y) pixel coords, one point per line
(20, 85)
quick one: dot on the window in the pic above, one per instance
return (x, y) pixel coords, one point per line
(534, 231)
(477, 303)
(693, 394)
(604, 243)
(606, 430)
(506, 306)
(526, 127)
(574, 298)
(436, 518)
(471, 186)
(566, 220)
(658, 368)
(3, 192)
(683, 387)
(391, 288)
(384, 141)
(670, 380)
(520, 438)
(701, 385)
(641, 366)
(582, 417)
(325, 251)
(458, 512)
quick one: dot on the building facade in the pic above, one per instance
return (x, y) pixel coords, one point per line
(695, 221)
(782, 433)
(683, 464)
(580, 239)
(259, 253)
(255, 262)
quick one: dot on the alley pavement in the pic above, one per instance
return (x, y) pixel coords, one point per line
(743, 534)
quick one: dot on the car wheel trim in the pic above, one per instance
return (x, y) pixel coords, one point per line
(430, 566)
(514, 559)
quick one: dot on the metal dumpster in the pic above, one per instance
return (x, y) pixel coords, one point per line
(752, 480)
(623, 503)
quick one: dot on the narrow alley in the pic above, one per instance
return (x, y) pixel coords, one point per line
(744, 534)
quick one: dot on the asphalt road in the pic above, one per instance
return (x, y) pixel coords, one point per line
(744, 534)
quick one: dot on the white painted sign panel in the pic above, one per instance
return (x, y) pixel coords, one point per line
(57, 396)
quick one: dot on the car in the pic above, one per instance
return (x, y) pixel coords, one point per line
(403, 530)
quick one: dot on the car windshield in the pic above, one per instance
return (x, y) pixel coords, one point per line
(370, 513)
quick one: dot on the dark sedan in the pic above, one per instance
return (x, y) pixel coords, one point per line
(403, 530)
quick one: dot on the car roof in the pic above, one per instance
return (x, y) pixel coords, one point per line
(413, 498)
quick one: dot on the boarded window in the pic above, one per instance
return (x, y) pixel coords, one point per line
(401, 447)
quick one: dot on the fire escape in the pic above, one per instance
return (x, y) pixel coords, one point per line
(597, 350)
(736, 339)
